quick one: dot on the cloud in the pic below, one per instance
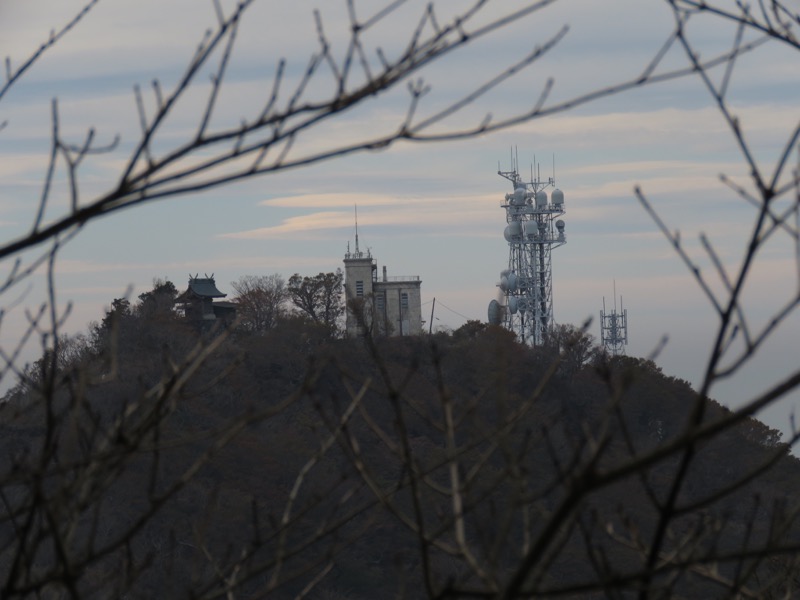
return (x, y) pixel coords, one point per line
(693, 128)
(670, 166)
(446, 214)
(67, 267)
(333, 200)
(303, 224)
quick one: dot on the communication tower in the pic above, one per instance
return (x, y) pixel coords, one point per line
(533, 229)
(614, 327)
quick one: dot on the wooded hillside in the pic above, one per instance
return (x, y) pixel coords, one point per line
(175, 463)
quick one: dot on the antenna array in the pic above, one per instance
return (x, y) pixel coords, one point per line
(614, 327)
(525, 303)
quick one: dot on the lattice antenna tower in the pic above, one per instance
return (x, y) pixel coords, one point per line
(533, 229)
(614, 327)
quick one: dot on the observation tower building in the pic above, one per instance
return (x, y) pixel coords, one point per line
(385, 306)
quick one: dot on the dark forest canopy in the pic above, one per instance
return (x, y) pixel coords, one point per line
(265, 462)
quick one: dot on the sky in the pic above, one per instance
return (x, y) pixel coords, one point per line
(431, 210)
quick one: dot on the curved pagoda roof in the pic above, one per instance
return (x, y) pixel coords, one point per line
(203, 288)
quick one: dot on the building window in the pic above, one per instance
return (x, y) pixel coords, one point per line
(404, 301)
(359, 289)
(380, 305)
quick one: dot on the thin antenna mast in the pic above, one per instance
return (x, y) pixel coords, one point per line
(355, 206)
(615, 295)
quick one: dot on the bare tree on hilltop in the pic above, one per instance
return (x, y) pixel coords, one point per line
(319, 298)
(509, 488)
(260, 300)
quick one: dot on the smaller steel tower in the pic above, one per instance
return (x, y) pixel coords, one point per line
(614, 327)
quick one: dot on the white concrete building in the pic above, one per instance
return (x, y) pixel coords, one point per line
(386, 306)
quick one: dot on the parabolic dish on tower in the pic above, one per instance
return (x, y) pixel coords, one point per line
(495, 313)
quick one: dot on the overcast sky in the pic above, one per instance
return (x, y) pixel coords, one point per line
(431, 210)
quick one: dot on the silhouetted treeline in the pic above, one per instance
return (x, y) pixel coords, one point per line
(285, 458)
